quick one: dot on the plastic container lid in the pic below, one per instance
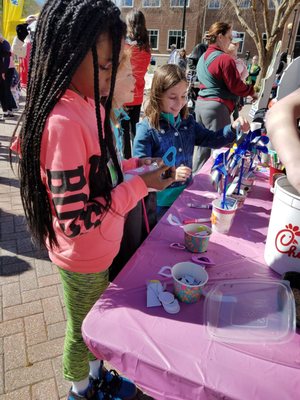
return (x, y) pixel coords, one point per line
(250, 311)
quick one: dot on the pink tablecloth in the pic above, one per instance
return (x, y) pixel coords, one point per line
(172, 356)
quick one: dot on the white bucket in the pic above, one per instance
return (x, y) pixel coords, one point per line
(282, 251)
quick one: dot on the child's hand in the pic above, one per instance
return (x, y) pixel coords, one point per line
(154, 179)
(244, 124)
(148, 161)
(182, 173)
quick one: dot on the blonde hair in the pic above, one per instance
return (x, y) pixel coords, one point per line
(125, 58)
(165, 77)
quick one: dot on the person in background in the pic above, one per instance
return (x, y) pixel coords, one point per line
(196, 53)
(182, 60)
(241, 67)
(220, 86)
(173, 57)
(282, 122)
(253, 70)
(133, 227)
(281, 67)
(137, 42)
(71, 181)
(21, 46)
(167, 123)
(7, 68)
(233, 49)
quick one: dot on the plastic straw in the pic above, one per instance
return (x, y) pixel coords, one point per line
(241, 176)
(224, 193)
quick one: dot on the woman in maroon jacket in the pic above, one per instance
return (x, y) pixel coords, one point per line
(220, 86)
(138, 44)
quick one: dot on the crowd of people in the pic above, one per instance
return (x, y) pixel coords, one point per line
(81, 126)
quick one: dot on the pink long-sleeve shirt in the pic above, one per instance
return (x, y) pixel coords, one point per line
(70, 151)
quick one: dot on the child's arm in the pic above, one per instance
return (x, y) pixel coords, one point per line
(71, 174)
(281, 122)
(211, 139)
(131, 163)
(215, 140)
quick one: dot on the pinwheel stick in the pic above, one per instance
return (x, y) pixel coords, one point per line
(241, 176)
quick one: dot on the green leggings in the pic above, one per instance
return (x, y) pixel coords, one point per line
(81, 291)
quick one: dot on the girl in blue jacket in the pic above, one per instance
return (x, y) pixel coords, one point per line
(167, 123)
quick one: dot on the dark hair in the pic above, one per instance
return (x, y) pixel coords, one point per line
(66, 31)
(22, 32)
(136, 29)
(216, 29)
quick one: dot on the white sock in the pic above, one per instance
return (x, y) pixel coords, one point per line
(80, 386)
(94, 368)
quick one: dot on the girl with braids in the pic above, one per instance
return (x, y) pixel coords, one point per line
(72, 186)
(138, 42)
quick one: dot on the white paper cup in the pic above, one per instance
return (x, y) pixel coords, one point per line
(222, 219)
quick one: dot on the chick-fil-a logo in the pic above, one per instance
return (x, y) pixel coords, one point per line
(285, 241)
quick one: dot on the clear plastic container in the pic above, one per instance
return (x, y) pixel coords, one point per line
(250, 311)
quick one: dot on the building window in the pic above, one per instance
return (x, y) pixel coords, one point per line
(174, 37)
(127, 3)
(151, 3)
(179, 3)
(271, 4)
(241, 35)
(244, 3)
(153, 38)
(214, 4)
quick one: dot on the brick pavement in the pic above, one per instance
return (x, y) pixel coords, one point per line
(32, 315)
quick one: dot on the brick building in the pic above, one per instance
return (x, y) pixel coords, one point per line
(165, 20)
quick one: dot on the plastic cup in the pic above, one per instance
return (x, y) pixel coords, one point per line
(196, 237)
(222, 218)
(240, 198)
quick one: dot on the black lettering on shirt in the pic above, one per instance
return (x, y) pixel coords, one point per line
(64, 177)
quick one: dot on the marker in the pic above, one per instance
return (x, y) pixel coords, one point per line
(194, 205)
(195, 221)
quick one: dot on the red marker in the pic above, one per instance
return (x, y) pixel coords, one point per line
(195, 221)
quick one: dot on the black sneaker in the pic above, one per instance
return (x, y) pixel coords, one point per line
(91, 393)
(111, 383)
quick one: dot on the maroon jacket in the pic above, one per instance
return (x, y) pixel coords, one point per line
(140, 60)
(224, 68)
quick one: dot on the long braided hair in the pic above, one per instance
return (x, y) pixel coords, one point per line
(66, 31)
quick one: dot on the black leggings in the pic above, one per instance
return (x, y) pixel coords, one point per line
(6, 98)
(129, 129)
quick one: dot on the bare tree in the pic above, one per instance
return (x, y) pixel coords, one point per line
(257, 19)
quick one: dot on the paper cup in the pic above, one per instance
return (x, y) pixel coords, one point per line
(183, 291)
(247, 184)
(222, 219)
(240, 198)
(195, 239)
